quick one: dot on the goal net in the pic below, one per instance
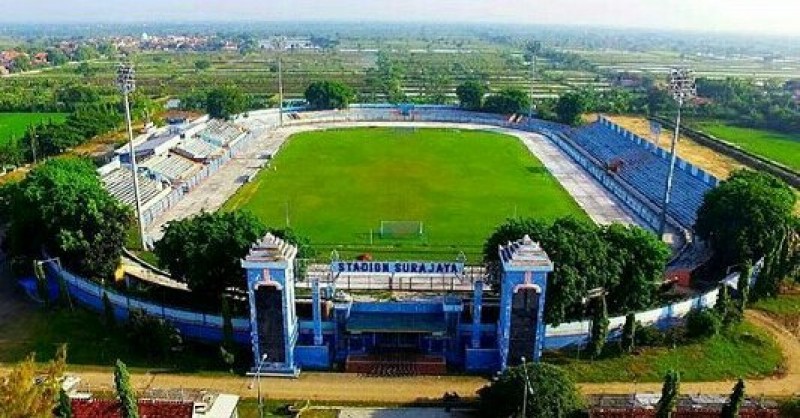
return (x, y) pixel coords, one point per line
(401, 229)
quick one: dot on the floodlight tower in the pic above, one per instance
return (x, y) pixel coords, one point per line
(534, 48)
(126, 83)
(683, 87)
(279, 44)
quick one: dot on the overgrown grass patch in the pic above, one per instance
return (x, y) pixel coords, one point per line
(744, 351)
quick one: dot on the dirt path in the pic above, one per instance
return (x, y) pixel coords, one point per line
(349, 387)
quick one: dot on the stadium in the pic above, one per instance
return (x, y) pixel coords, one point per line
(443, 312)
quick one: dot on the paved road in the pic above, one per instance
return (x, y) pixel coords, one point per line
(349, 387)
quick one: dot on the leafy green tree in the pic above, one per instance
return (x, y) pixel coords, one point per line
(202, 64)
(749, 216)
(724, 306)
(734, 405)
(702, 323)
(643, 258)
(21, 63)
(56, 56)
(581, 256)
(125, 394)
(553, 394)
(669, 395)
(108, 312)
(569, 108)
(743, 286)
(328, 95)
(507, 101)
(85, 52)
(470, 94)
(62, 206)
(205, 250)
(224, 102)
(64, 407)
(599, 330)
(151, 335)
(628, 339)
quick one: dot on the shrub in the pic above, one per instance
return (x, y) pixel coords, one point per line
(649, 336)
(701, 323)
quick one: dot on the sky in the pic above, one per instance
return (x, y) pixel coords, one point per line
(760, 16)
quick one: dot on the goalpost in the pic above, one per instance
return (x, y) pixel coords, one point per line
(401, 229)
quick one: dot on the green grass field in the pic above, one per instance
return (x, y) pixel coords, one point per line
(14, 125)
(744, 351)
(337, 185)
(779, 147)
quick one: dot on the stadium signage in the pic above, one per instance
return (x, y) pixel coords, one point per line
(397, 267)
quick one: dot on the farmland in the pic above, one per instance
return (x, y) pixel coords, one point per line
(778, 147)
(14, 125)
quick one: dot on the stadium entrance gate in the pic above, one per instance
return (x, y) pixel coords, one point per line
(425, 334)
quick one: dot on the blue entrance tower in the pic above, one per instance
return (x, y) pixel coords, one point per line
(523, 288)
(273, 319)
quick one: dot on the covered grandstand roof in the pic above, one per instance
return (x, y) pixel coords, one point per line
(198, 149)
(221, 133)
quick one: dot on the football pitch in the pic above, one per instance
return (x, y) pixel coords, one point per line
(336, 186)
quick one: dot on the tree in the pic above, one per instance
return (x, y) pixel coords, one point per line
(507, 101)
(628, 339)
(125, 394)
(669, 395)
(642, 257)
(21, 63)
(204, 251)
(724, 307)
(202, 64)
(599, 332)
(62, 206)
(328, 95)
(569, 108)
(749, 216)
(731, 409)
(743, 286)
(151, 335)
(470, 94)
(552, 393)
(56, 56)
(25, 392)
(581, 256)
(64, 407)
(701, 323)
(108, 311)
(224, 102)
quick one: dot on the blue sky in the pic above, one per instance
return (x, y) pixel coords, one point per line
(766, 16)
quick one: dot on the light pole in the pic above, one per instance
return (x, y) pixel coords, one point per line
(257, 377)
(527, 388)
(279, 44)
(534, 49)
(682, 86)
(126, 83)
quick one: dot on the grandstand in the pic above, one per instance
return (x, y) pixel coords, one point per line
(169, 168)
(120, 184)
(199, 150)
(643, 169)
(221, 134)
